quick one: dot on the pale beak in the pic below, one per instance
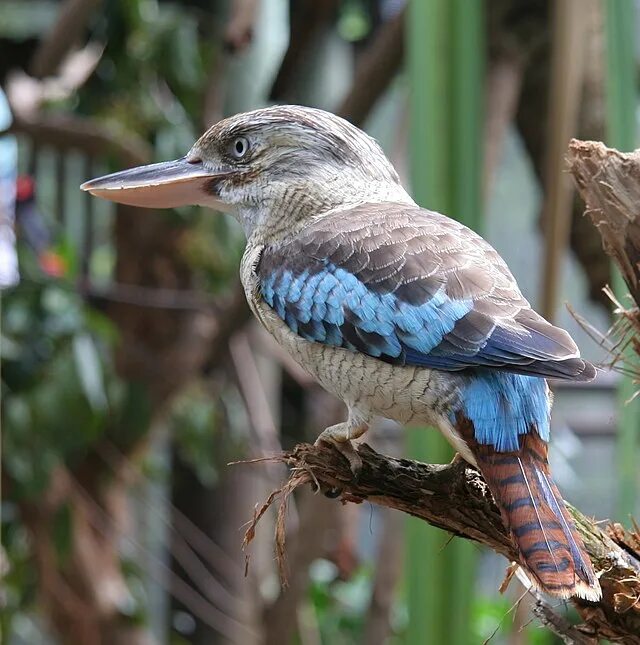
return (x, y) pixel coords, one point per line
(161, 185)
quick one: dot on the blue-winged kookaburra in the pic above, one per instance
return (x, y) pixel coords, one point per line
(399, 311)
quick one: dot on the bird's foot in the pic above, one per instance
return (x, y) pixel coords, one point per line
(340, 436)
(346, 449)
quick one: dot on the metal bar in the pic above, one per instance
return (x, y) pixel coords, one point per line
(428, 579)
(34, 158)
(60, 187)
(621, 91)
(445, 55)
(465, 185)
(88, 231)
(467, 105)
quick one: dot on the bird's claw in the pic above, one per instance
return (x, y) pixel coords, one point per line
(328, 491)
(333, 492)
(348, 451)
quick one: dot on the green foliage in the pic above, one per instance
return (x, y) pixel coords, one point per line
(338, 610)
(339, 606)
(195, 425)
(159, 97)
(493, 618)
(354, 20)
(56, 378)
(205, 434)
(19, 582)
(59, 394)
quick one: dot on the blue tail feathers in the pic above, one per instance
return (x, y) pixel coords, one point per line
(503, 406)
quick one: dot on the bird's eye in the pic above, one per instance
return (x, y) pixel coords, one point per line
(239, 147)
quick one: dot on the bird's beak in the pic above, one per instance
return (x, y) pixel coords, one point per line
(161, 185)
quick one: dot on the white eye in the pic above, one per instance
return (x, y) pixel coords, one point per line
(239, 147)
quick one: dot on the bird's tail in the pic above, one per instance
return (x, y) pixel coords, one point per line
(533, 510)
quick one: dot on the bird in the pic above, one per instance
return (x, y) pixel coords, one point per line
(399, 311)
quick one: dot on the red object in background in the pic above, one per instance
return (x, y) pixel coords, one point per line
(34, 229)
(25, 188)
(52, 264)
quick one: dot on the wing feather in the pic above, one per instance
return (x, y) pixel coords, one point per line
(410, 286)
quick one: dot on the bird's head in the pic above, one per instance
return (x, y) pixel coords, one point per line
(272, 168)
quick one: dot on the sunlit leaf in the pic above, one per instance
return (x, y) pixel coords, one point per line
(9, 349)
(87, 362)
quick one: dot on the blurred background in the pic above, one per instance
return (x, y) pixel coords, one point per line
(132, 374)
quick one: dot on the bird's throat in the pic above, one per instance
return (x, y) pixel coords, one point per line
(286, 210)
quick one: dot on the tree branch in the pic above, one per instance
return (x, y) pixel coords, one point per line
(455, 498)
(72, 20)
(71, 132)
(609, 182)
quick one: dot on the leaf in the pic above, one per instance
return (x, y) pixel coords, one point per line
(87, 361)
(9, 349)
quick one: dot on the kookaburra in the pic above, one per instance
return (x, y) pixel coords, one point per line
(399, 311)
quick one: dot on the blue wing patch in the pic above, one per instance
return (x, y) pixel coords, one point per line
(332, 306)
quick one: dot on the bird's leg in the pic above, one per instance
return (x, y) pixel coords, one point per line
(340, 436)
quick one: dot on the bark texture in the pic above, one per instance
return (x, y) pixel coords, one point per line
(609, 182)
